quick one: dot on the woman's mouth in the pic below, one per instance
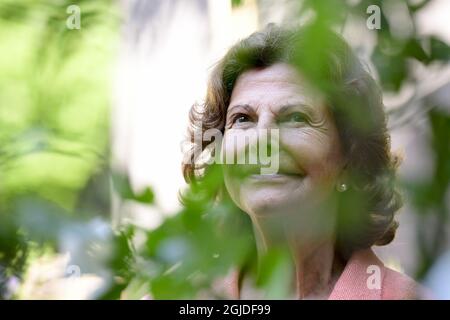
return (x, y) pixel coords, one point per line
(274, 177)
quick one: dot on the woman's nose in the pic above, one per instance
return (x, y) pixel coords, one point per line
(267, 121)
(268, 135)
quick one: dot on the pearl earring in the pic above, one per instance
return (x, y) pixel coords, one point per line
(341, 187)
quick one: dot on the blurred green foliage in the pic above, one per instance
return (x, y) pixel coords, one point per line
(54, 158)
(54, 120)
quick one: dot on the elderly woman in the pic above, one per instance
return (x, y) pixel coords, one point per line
(332, 195)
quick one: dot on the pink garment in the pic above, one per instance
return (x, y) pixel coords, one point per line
(353, 282)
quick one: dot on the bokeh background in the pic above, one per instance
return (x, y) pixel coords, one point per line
(92, 120)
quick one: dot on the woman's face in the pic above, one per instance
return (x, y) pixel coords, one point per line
(309, 152)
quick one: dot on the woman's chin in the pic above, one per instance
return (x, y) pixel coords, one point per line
(262, 197)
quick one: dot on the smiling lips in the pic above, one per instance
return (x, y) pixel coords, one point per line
(286, 170)
(280, 175)
(274, 177)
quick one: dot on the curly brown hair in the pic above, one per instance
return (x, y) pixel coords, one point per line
(366, 210)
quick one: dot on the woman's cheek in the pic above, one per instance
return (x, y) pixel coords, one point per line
(312, 152)
(234, 144)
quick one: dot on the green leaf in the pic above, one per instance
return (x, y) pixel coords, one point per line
(147, 196)
(439, 50)
(413, 48)
(236, 3)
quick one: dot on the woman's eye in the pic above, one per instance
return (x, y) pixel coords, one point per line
(241, 118)
(296, 117)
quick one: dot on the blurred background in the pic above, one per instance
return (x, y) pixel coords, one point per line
(94, 100)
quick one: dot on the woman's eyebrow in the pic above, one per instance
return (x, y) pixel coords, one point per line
(295, 106)
(246, 107)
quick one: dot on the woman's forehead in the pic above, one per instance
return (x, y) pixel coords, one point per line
(276, 73)
(279, 84)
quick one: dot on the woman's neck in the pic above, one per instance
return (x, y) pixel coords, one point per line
(315, 263)
(317, 269)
